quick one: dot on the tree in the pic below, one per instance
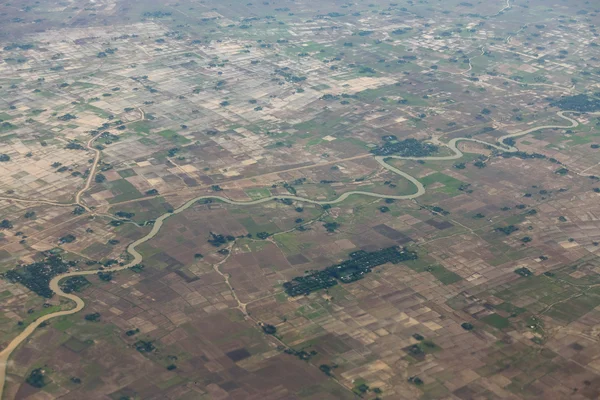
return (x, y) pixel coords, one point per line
(509, 141)
(523, 271)
(416, 380)
(467, 326)
(36, 378)
(262, 235)
(269, 329)
(99, 178)
(6, 224)
(78, 210)
(144, 347)
(507, 230)
(67, 117)
(363, 388)
(125, 214)
(4, 158)
(326, 369)
(95, 317)
(331, 226)
(105, 276)
(67, 239)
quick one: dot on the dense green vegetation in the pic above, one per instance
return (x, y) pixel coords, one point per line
(132, 332)
(580, 102)
(523, 272)
(405, 148)
(74, 284)
(218, 240)
(521, 154)
(507, 230)
(78, 210)
(360, 263)
(144, 347)
(436, 209)
(94, 317)
(37, 276)
(326, 369)
(467, 326)
(124, 214)
(137, 268)
(416, 380)
(36, 378)
(105, 276)
(67, 239)
(331, 226)
(20, 46)
(269, 329)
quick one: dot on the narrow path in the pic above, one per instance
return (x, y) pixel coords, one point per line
(137, 257)
(565, 88)
(506, 7)
(470, 61)
(92, 173)
(50, 203)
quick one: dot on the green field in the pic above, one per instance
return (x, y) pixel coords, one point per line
(174, 137)
(451, 185)
(496, 321)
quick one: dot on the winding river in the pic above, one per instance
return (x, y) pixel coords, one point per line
(137, 257)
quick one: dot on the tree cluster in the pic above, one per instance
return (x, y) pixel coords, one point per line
(360, 263)
(580, 103)
(405, 148)
(37, 276)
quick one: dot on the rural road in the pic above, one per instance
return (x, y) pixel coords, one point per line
(137, 257)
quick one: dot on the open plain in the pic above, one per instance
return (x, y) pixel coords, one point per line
(299, 200)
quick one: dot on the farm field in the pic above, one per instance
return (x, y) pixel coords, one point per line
(299, 200)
